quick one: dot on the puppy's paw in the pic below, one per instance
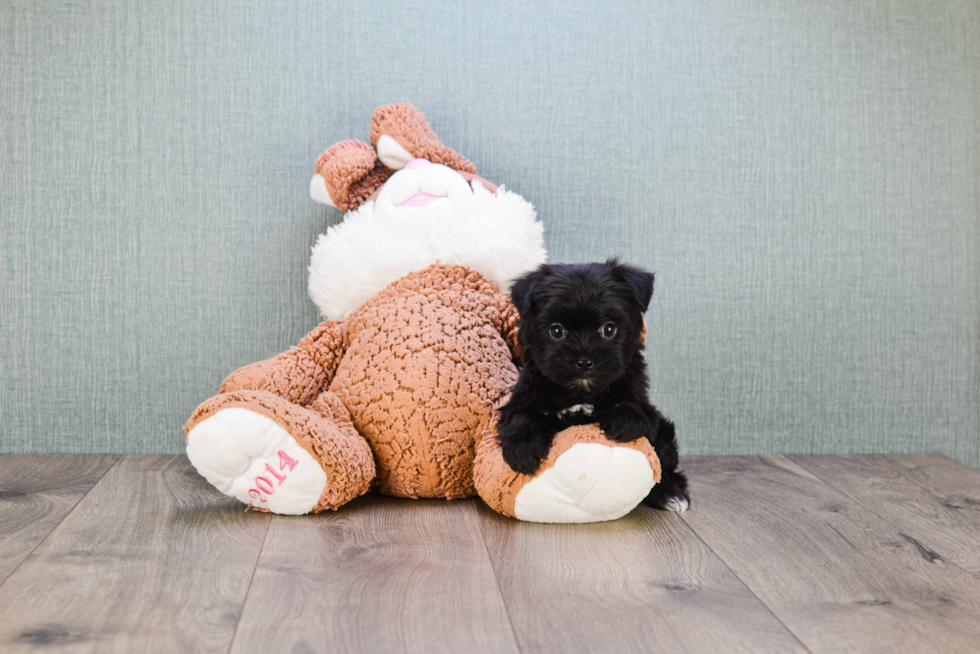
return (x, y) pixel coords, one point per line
(668, 498)
(625, 424)
(623, 433)
(525, 455)
(525, 440)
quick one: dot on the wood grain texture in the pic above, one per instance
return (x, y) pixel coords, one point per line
(152, 560)
(934, 500)
(381, 575)
(838, 576)
(770, 558)
(644, 583)
(36, 492)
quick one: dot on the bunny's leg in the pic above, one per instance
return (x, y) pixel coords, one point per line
(275, 439)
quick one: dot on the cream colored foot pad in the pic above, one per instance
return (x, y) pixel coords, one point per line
(252, 458)
(588, 483)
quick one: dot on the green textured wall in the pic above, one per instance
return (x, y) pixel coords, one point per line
(802, 175)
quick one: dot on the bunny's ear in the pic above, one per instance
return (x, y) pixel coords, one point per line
(391, 153)
(401, 133)
(346, 175)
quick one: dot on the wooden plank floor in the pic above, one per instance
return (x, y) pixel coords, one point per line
(777, 554)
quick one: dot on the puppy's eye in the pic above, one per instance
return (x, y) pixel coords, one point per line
(557, 332)
(608, 330)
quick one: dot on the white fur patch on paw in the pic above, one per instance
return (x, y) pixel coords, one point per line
(676, 503)
(589, 482)
(252, 458)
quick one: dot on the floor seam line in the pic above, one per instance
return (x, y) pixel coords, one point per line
(878, 515)
(890, 457)
(248, 589)
(496, 580)
(748, 588)
(744, 583)
(74, 506)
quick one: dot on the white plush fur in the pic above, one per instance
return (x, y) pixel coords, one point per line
(235, 448)
(590, 482)
(496, 234)
(391, 154)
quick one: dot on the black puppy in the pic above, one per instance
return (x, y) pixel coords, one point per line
(581, 331)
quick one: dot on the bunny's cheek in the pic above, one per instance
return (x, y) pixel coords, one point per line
(419, 184)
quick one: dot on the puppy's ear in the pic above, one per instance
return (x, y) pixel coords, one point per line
(639, 281)
(522, 291)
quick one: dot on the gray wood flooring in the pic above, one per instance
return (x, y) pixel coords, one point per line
(877, 553)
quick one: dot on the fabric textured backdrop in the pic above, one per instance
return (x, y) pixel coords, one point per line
(803, 177)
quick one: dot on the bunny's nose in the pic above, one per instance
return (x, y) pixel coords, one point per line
(415, 164)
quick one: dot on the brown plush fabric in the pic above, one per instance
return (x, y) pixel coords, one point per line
(406, 124)
(414, 375)
(299, 375)
(352, 173)
(508, 324)
(328, 436)
(425, 365)
(498, 485)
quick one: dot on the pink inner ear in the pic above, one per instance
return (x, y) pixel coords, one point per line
(419, 199)
(415, 164)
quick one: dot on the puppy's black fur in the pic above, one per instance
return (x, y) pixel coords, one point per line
(581, 331)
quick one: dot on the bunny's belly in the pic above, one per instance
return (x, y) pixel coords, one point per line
(422, 376)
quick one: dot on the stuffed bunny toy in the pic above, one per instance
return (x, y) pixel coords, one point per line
(397, 391)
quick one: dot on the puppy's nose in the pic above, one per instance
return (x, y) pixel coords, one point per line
(584, 363)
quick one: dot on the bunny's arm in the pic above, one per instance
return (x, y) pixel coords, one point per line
(300, 374)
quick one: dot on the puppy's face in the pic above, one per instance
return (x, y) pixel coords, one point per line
(581, 323)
